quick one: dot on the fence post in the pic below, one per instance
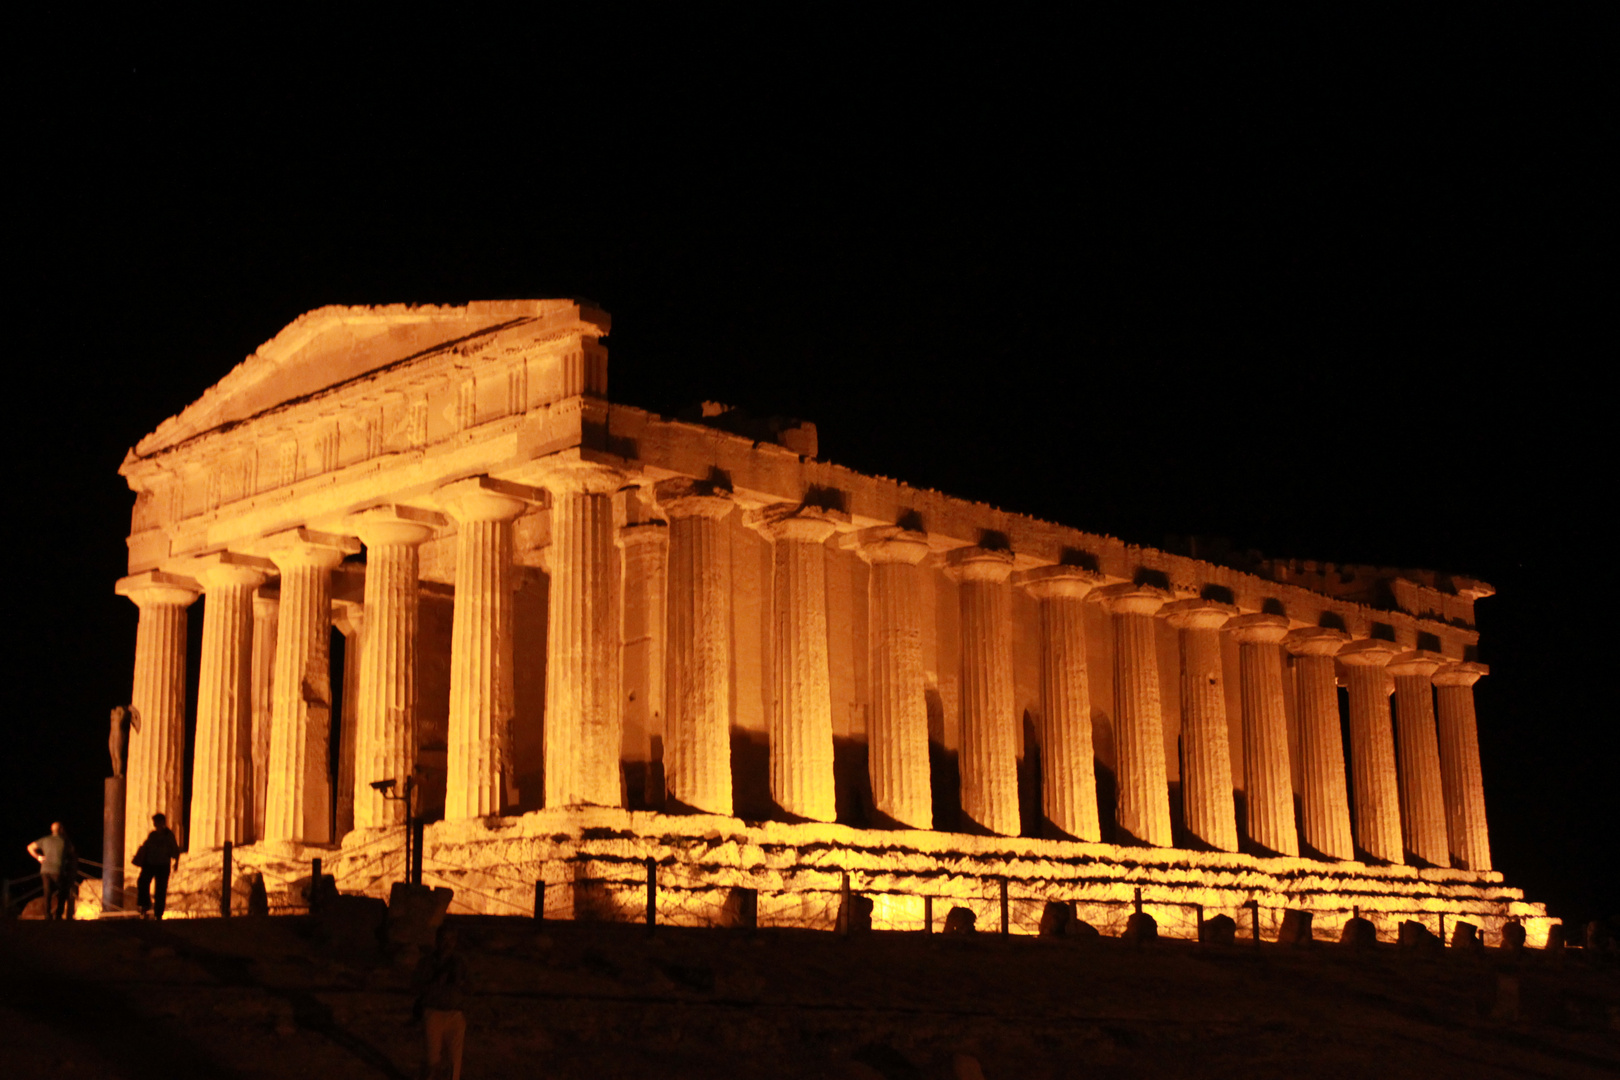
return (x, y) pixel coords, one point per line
(314, 883)
(928, 914)
(1138, 900)
(1200, 908)
(1004, 906)
(225, 881)
(652, 893)
(1254, 910)
(843, 906)
(418, 829)
(539, 900)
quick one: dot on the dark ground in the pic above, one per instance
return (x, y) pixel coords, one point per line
(257, 998)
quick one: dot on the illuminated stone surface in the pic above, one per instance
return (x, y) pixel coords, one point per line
(569, 609)
(1206, 755)
(1144, 799)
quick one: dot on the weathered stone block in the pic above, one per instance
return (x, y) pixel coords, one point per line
(1080, 930)
(1141, 928)
(960, 921)
(741, 909)
(1555, 940)
(258, 896)
(415, 913)
(1358, 933)
(1296, 928)
(855, 914)
(1513, 936)
(1414, 935)
(1056, 918)
(1219, 930)
(1465, 936)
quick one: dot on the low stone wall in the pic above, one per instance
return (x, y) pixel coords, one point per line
(593, 861)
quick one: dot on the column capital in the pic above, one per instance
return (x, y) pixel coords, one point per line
(1417, 662)
(1198, 614)
(484, 498)
(1046, 582)
(1315, 641)
(156, 587)
(1258, 628)
(1367, 652)
(1466, 673)
(979, 564)
(644, 532)
(306, 547)
(684, 498)
(392, 523)
(1127, 599)
(231, 568)
(796, 522)
(573, 477)
(891, 544)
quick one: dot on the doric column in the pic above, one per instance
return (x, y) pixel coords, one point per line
(298, 800)
(480, 781)
(646, 577)
(801, 713)
(157, 733)
(697, 740)
(350, 620)
(266, 610)
(1144, 791)
(1321, 741)
(1423, 807)
(1372, 749)
(897, 738)
(989, 756)
(222, 758)
(1268, 781)
(1206, 752)
(385, 697)
(1459, 766)
(1068, 769)
(584, 719)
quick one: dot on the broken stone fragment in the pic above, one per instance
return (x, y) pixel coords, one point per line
(1141, 928)
(1220, 930)
(1513, 936)
(1296, 928)
(1414, 935)
(1056, 918)
(1358, 933)
(960, 921)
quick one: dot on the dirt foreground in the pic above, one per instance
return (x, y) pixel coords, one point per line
(267, 997)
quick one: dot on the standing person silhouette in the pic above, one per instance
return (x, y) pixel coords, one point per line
(156, 856)
(56, 858)
(441, 978)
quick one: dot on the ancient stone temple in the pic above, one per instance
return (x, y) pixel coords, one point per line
(427, 547)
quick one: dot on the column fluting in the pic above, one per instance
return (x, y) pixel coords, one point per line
(1068, 767)
(1326, 798)
(298, 798)
(222, 757)
(1460, 771)
(1268, 781)
(1423, 807)
(801, 713)
(154, 783)
(1206, 752)
(584, 720)
(1140, 776)
(897, 740)
(1375, 791)
(989, 754)
(480, 781)
(385, 700)
(266, 612)
(697, 742)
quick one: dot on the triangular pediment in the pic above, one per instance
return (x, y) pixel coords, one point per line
(331, 345)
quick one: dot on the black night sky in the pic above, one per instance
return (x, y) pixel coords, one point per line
(1329, 289)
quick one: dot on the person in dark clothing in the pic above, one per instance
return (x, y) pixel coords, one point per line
(441, 978)
(156, 857)
(58, 868)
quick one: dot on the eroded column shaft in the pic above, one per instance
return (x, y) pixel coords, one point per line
(1460, 770)
(697, 746)
(480, 730)
(897, 741)
(989, 754)
(1326, 799)
(351, 624)
(1423, 811)
(155, 783)
(1206, 752)
(1144, 793)
(222, 759)
(1068, 772)
(801, 721)
(1375, 790)
(584, 722)
(1267, 777)
(265, 615)
(298, 799)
